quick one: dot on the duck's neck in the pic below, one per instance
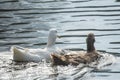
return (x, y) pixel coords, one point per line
(51, 41)
(50, 44)
(90, 47)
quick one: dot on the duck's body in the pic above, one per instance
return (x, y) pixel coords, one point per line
(36, 55)
(75, 58)
(20, 55)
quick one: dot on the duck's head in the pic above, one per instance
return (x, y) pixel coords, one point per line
(52, 37)
(90, 38)
(90, 42)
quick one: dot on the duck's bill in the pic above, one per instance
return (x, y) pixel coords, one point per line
(58, 36)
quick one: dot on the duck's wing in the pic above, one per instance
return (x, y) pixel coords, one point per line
(58, 60)
(61, 51)
(37, 51)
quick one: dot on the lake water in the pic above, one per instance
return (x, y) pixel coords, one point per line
(26, 23)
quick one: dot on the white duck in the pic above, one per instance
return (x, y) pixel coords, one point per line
(36, 55)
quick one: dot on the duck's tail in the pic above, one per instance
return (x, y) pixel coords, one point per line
(18, 54)
(58, 60)
(18, 47)
(21, 55)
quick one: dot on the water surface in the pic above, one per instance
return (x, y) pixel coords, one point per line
(26, 23)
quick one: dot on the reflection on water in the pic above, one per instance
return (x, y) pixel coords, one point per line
(26, 23)
(11, 70)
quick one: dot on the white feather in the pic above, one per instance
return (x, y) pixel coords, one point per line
(36, 55)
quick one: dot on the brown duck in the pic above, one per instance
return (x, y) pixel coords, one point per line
(81, 57)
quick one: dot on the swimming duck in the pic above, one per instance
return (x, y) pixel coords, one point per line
(75, 58)
(36, 55)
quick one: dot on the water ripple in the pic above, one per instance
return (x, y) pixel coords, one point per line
(26, 23)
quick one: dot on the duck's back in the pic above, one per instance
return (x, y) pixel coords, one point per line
(23, 56)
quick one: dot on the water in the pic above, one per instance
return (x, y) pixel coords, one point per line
(26, 23)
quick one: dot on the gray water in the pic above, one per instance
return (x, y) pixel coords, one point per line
(26, 23)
